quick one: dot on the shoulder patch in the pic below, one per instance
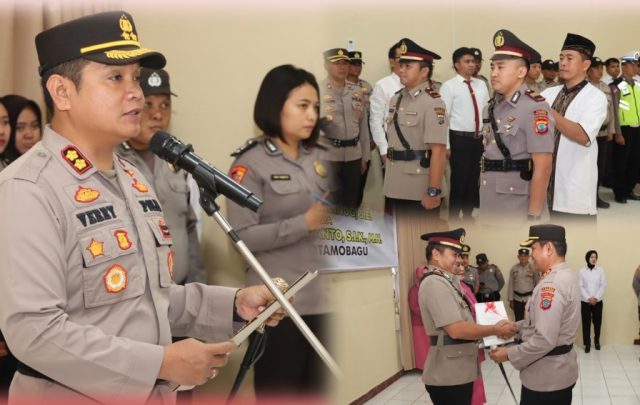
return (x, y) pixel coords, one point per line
(535, 95)
(432, 92)
(248, 145)
(238, 172)
(541, 121)
(34, 166)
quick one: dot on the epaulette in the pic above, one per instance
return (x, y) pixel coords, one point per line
(248, 145)
(32, 167)
(534, 95)
(432, 92)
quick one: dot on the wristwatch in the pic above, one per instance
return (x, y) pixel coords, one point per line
(433, 192)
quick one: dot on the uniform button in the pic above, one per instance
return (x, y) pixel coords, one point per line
(401, 109)
(408, 123)
(459, 352)
(484, 182)
(498, 121)
(417, 170)
(511, 188)
(494, 141)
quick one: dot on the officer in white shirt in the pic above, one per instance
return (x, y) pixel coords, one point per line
(465, 98)
(383, 90)
(579, 109)
(592, 286)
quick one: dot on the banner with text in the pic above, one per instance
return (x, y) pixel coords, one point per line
(358, 239)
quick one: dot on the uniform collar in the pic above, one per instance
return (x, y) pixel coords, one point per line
(462, 79)
(517, 96)
(68, 154)
(416, 91)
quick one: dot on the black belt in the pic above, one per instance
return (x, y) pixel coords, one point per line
(26, 370)
(448, 341)
(407, 154)
(474, 135)
(487, 165)
(341, 143)
(558, 350)
(523, 294)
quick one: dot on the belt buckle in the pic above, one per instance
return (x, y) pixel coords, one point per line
(390, 154)
(504, 165)
(336, 142)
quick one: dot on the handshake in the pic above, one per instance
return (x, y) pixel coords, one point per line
(505, 329)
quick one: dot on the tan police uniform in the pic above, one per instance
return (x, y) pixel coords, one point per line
(525, 127)
(422, 121)
(491, 282)
(343, 118)
(471, 278)
(277, 234)
(609, 124)
(522, 280)
(449, 362)
(172, 190)
(86, 296)
(551, 321)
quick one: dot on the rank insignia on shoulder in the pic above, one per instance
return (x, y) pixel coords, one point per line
(319, 168)
(535, 95)
(78, 162)
(115, 280)
(432, 92)
(238, 172)
(280, 177)
(86, 194)
(541, 121)
(96, 248)
(248, 145)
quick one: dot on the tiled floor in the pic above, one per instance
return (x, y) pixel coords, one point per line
(610, 376)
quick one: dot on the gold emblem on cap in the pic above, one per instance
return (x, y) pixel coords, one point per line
(127, 29)
(340, 52)
(154, 80)
(462, 238)
(357, 55)
(498, 40)
(403, 48)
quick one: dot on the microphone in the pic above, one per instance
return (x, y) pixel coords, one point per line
(169, 148)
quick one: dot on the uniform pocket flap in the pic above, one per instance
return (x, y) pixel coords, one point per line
(512, 186)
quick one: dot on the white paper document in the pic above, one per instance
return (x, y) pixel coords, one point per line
(490, 313)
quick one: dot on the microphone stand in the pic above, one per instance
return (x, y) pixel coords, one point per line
(208, 195)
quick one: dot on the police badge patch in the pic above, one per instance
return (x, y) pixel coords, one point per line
(440, 114)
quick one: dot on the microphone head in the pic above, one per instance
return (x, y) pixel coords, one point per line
(157, 143)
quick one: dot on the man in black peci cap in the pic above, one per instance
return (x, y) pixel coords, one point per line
(87, 303)
(452, 361)
(546, 358)
(477, 56)
(490, 279)
(417, 136)
(578, 109)
(518, 139)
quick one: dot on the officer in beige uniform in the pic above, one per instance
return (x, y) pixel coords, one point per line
(610, 126)
(344, 124)
(452, 363)
(417, 135)
(169, 183)
(87, 303)
(523, 277)
(490, 278)
(519, 142)
(470, 277)
(546, 358)
(287, 169)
